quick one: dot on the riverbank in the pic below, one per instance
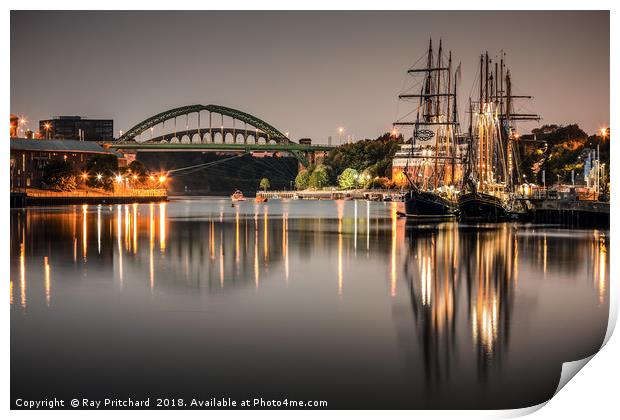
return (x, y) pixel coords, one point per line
(357, 194)
(37, 197)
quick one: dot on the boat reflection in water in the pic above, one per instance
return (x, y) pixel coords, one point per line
(339, 301)
(470, 310)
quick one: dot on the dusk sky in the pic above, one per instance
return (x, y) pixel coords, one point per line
(303, 72)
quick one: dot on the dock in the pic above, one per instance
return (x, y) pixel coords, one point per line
(571, 213)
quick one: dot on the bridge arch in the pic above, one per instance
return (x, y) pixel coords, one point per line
(263, 128)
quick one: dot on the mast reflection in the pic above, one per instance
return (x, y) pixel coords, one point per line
(442, 260)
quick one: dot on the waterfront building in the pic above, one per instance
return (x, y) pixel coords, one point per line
(29, 157)
(417, 161)
(78, 128)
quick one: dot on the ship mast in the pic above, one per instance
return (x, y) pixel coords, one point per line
(433, 111)
(437, 118)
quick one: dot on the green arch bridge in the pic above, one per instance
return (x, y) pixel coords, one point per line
(239, 132)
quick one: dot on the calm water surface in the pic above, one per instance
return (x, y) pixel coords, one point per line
(327, 300)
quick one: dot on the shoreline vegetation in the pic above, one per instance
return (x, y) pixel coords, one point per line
(560, 154)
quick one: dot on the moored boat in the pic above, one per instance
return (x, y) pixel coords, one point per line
(237, 196)
(428, 205)
(430, 162)
(493, 164)
(476, 206)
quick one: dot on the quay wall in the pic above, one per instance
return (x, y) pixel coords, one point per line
(34, 197)
(572, 213)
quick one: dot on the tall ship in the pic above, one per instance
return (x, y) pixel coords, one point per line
(430, 161)
(492, 160)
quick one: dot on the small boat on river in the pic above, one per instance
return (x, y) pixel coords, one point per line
(237, 196)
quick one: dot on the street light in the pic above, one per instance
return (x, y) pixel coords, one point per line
(340, 131)
(47, 127)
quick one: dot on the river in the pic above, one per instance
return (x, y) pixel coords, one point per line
(338, 301)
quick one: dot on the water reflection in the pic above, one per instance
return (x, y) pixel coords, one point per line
(434, 259)
(463, 282)
(47, 283)
(432, 313)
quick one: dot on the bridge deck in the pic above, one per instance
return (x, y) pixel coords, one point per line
(264, 147)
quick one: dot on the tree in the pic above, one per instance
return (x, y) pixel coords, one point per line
(381, 182)
(349, 178)
(104, 165)
(60, 175)
(319, 177)
(360, 155)
(264, 184)
(136, 167)
(302, 179)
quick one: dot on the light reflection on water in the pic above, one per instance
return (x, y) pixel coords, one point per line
(480, 310)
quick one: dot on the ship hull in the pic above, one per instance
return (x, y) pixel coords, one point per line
(482, 207)
(428, 205)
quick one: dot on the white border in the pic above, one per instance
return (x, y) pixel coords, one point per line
(592, 395)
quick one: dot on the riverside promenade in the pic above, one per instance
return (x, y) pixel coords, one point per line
(37, 197)
(333, 194)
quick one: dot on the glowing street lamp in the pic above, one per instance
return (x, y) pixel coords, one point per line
(603, 132)
(21, 121)
(99, 176)
(340, 131)
(84, 176)
(162, 179)
(47, 127)
(119, 178)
